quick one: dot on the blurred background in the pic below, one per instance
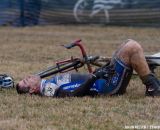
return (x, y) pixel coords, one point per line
(108, 12)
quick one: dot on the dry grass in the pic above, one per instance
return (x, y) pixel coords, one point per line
(24, 51)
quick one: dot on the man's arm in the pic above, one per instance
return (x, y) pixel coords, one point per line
(82, 90)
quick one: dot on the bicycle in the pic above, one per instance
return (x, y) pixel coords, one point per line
(89, 61)
(75, 63)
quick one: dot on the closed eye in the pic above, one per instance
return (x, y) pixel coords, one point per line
(24, 81)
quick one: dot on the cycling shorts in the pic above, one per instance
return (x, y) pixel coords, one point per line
(117, 82)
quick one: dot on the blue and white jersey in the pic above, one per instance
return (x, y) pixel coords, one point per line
(67, 82)
(116, 83)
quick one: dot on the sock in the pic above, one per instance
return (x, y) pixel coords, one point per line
(145, 79)
(150, 79)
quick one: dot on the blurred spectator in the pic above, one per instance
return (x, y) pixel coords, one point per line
(30, 12)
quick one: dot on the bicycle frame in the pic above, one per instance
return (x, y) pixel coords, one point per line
(70, 64)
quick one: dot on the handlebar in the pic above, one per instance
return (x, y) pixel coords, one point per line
(77, 43)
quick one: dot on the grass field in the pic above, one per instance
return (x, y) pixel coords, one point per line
(27, 50)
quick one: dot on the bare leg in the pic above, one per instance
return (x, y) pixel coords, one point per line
(131, 53)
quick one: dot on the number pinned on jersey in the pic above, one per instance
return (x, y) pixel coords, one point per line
(50, 89)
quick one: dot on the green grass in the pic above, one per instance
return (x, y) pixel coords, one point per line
(27, 50)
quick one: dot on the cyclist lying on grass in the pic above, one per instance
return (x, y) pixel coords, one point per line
(108, 80)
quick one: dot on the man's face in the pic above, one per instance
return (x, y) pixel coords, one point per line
(30, 84)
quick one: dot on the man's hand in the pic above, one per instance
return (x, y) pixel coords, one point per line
(104, 72)
(100, 73)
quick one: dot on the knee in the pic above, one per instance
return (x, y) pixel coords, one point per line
(133, 46)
